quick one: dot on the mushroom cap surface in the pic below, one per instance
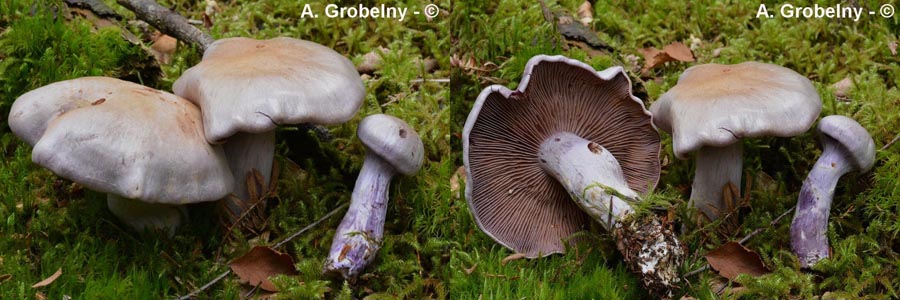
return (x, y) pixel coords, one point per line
(394, 141)
(511, 197)
(851, 138)
(248, 85)
(122, 138)
(717, 105)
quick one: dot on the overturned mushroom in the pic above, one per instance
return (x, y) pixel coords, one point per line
(714, 106)
(848, 147)
(393, 147)
(246, 88)
(567, 133)
(143, 147)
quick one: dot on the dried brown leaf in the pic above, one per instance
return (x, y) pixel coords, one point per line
(893, 47)
(842, 88)
(679, 52)
(371, 61)
(733, 259)
(586, 13)
(512, 258)
(673, 52)
(48, 280)
(255, 267)
(163, 48)
(652, 58)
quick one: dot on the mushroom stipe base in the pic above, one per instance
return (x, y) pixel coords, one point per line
(651, 250)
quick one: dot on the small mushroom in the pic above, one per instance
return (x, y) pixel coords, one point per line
(393, 147)
(246, 88)
(569, 145)
(143, 147)
(713, 107)
(848, 147)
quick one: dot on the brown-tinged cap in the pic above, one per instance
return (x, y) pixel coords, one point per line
(122, 138)
(513, 200)
(248, 85)
(717, 105)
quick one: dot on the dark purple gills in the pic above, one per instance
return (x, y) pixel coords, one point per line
(511, 197)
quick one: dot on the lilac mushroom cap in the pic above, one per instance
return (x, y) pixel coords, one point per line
(132, 142)
(848, 147)
(713, 107)
(246, 88)
(512, 198)
(394, 141)
(393, 147)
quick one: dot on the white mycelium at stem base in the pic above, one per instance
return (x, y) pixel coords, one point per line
(808, 231)
(595, 180)
(716, 166)
(359, 236)
(586, 170)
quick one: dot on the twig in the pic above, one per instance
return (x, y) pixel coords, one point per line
(745, 239)
(890, 143)
(168, 22)
(288, 239)
(310, 226)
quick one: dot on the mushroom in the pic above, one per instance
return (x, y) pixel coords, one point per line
(143, 147)
(246, 87)
(567, 133)
(847, 148)
(393, 147)
(713, 107)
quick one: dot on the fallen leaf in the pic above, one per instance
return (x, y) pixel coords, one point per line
(842, 89)
(893, 47)
(40, 296)
(679, 52)
(371, 61)
(255, 267)
(733, 259)
(585, 13)
(5, 277)
(672, 52)
(49, 280)
(163, 48)
(512, 258)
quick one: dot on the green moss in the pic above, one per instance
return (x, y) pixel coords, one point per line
(864, 223)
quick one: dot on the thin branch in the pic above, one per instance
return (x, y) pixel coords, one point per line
(890, 143)
(279, 244)
(745, 239)
(168, 22)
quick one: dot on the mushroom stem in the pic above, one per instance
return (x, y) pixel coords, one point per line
(591, 175)
(716, 166)
(246, 152)
(141, 215)
(808, 230)
(359, 235)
